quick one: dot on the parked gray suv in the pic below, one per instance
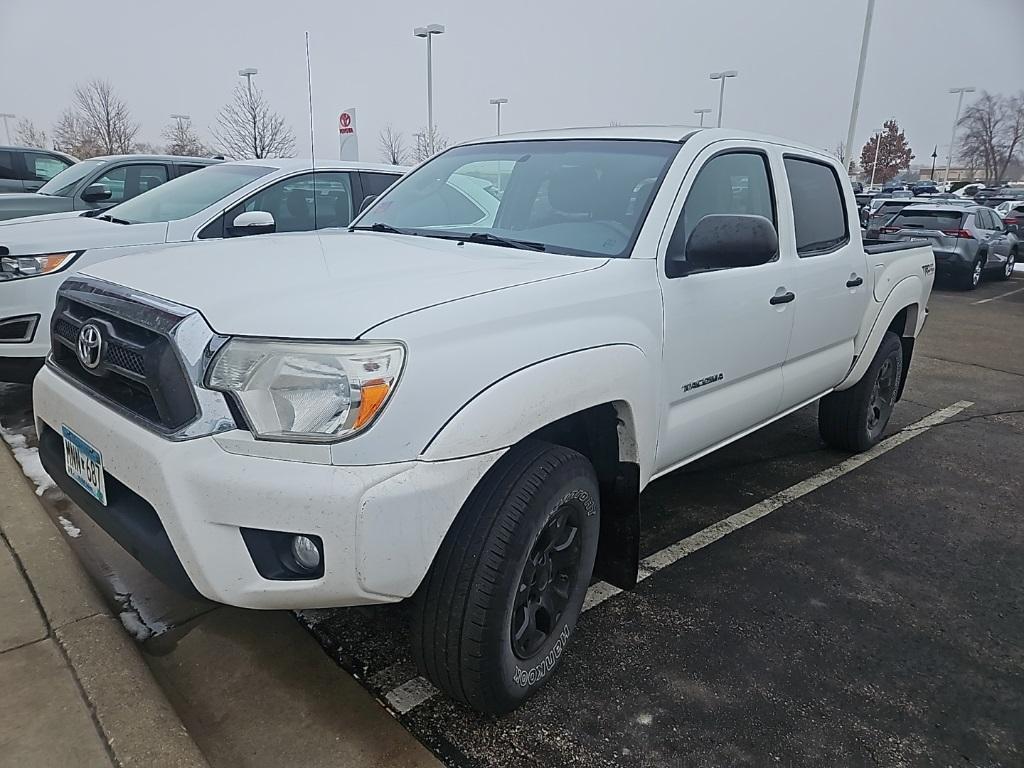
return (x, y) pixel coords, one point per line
(967, 241)
(25, 169)
(99, 183)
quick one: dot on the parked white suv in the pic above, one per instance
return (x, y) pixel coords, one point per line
(226, 200)
(464, 411)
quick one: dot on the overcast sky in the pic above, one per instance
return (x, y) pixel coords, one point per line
(559, 63)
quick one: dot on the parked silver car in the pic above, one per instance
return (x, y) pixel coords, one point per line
(99, 183)
(26, 169)
(967, 240)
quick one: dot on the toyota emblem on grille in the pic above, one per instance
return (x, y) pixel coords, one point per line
(90, 346)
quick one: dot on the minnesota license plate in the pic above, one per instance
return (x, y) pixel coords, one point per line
(84, 465)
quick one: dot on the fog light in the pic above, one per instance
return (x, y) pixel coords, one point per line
(305, 552)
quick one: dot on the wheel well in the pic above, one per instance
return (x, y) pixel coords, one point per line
(904, 324)
(605, 434)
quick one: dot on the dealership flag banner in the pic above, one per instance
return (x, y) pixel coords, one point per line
(348, 139)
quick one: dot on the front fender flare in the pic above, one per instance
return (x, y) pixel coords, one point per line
(528, 399)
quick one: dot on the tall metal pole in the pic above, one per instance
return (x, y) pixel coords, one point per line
(430, 97)
(498, 103)
(952, 138)
(874, 165)
(865, 39)
(721, 100)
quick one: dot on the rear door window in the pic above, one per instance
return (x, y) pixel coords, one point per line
(819, 211)
(7, 165)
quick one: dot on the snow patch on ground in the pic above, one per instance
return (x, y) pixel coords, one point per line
(1018, 267)
(313, 616)
(135, 626)
(69, 528)
(28, 457)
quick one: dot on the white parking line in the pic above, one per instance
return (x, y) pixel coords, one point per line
(410, 694)
(601, 591)
(1000, 296)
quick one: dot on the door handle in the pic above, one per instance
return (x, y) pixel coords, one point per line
(854, 282)
(784, 298)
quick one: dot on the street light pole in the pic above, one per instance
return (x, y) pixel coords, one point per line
(701, 112)
(952, 138)
(428, 32)
(721, 90)
(6, 116)
(498, 103)
(247, 73)
(874, 164)
(865, 38)
(935, 154)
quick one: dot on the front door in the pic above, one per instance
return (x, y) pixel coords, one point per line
(726, 331)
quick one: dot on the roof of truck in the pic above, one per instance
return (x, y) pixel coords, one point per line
(679, 133)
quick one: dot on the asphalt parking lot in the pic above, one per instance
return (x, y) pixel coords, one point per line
(873, 615)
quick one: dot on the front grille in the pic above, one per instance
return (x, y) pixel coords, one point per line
(138, 369)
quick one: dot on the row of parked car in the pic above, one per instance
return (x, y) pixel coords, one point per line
(972, 235)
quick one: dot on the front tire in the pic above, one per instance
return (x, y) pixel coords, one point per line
(854, 419)
(496, 610)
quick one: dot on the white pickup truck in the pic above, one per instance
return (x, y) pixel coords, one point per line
(464, 409)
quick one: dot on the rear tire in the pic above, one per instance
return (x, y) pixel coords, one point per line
(1007, 270)
(855, 418)
(495, 612)
(969, 279)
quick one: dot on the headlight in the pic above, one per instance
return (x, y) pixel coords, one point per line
(14, 267)
(307, 391)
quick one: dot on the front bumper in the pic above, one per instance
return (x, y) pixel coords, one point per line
(380, 525)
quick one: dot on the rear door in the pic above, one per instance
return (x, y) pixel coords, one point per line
(725, 338)
(830, 279)
(995, 239)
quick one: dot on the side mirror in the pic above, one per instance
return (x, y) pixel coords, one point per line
(95, 193)
(366, 203)
(723, 241)
(252, 223)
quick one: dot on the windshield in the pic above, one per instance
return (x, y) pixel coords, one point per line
(63, 184)
(187, 195)
(581, 197)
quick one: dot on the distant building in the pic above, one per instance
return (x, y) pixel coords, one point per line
(955, 174)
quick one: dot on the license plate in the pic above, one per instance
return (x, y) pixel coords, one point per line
(84, 465)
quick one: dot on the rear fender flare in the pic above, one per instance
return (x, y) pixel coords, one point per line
(906, 293)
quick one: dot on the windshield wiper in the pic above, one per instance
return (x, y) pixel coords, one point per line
(112, 219)
(379, 227)
(487, 237)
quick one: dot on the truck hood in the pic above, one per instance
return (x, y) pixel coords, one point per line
(76, 233)
(334, 286)
(17, 204)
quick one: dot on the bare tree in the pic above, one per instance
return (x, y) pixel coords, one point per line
(247, 128)
(182, 138)
(72, 135)
(993, 134)
(392, 146)
(428, 143)
(106, 117)
(28, 135)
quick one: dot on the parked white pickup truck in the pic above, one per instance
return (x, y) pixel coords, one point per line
(464, 410)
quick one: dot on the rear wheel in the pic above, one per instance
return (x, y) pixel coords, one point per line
(1007, 270)
(969, 279)
(854, 419)
(495, 612)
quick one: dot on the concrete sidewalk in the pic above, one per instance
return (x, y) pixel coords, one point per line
(75, 690)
